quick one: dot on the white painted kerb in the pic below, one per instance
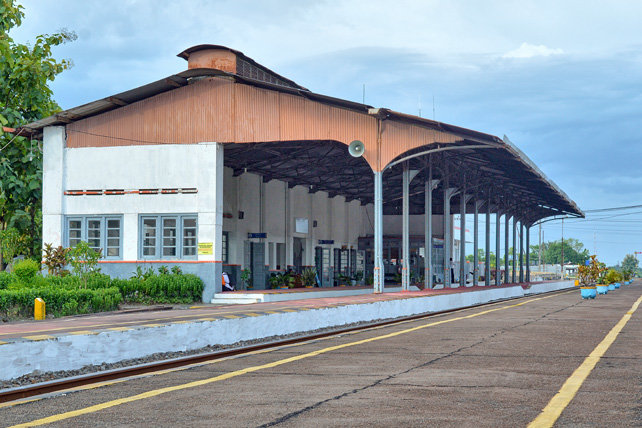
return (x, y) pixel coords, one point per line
(73, 352)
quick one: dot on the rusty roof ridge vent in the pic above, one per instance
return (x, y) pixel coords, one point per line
(222, 58)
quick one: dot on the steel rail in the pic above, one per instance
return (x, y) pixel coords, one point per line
(12, 394)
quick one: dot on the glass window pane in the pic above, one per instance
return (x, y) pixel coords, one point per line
(189, 236)
(149, 237)
(169, 251)
(113, 252)
(74, 224)
(169, 242)
(113, 224)
(169, 222)
(113, 242)
(113, 233)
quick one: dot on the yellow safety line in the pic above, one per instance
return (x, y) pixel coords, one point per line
(38, 337)
(157, 392)
(561, 400)
(262, 351)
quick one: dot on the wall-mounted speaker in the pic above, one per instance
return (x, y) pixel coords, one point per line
(356, 148)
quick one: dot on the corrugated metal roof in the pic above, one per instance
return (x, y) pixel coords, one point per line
(512, 157)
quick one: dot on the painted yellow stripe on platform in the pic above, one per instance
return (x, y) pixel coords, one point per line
(3, 343)
(83, 332)
(288, 310)
(270, 312)
(120, 328)
(561, 400)
(231, 316)
(151, 325)
(251, 314)
(157, 392)
(38, 337)
(208, 319)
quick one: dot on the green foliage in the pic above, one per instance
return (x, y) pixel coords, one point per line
(59, 301)
(630, 263)
(84, 260)
(56, 259)
(162, 270)
(574, 252)
(142, 274)
(612, 276)
(246, 278)
(6, 278)
(26, 270)
(309, 275)
(25, 73)
(12, 243)
(172, 288)
(176, 270)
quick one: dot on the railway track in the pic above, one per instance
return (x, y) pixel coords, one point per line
(12, 394)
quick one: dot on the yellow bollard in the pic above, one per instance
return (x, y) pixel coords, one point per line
(577, 282)
(39, 309)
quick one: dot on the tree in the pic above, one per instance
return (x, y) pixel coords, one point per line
(630, 263)
(25, 73)
(574, 252)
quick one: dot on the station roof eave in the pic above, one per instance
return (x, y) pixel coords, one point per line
(507, 164)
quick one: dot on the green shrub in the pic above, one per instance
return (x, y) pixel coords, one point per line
(172, 288)
(612, 276)
(26, 270)
(59, 301)
(6, 278)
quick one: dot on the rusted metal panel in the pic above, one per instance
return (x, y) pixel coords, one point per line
(219, 110)
(398, 138)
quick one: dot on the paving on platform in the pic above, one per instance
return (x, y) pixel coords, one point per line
(93, 324)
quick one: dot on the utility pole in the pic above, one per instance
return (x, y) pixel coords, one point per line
(562, 249)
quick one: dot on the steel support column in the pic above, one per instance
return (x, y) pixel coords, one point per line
(405, 236)
(449, 192)
(462, 238)
(514, 262)
(507, 233)
(430, 185)
(487, 264)
(528, 253)
(378, 233)
(497, 247)
(477, 204)
(521, 251)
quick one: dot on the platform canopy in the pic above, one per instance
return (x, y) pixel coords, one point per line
(273, 127)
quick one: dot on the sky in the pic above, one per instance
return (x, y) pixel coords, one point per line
(561, 79)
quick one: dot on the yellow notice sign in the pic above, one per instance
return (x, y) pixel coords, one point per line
(205, 248)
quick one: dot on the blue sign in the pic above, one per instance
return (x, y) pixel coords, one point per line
(587, 263)
(257, 235)
(326, 241)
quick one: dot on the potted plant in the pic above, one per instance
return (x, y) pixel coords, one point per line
(246, 279)
(358, 277)
(309, 277)
(598, 271)
(585, 279)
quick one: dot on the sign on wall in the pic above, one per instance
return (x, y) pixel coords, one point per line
(258, 235)
(205, 248)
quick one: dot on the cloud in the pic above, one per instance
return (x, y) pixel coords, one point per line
(526, 50)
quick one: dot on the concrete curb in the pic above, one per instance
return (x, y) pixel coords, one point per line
(72, 352)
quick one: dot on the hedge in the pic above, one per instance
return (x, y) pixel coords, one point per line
(163, 288)
(59, 301)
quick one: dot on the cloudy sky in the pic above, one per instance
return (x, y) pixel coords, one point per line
(561, 79)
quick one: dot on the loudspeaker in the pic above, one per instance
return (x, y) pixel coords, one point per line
(356, 148)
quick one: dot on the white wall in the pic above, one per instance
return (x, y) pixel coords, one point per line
(336, 220)
(132, 168)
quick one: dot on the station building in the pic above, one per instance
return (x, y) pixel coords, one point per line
(229, 166)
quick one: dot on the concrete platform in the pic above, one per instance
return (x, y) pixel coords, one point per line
(73, 342)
